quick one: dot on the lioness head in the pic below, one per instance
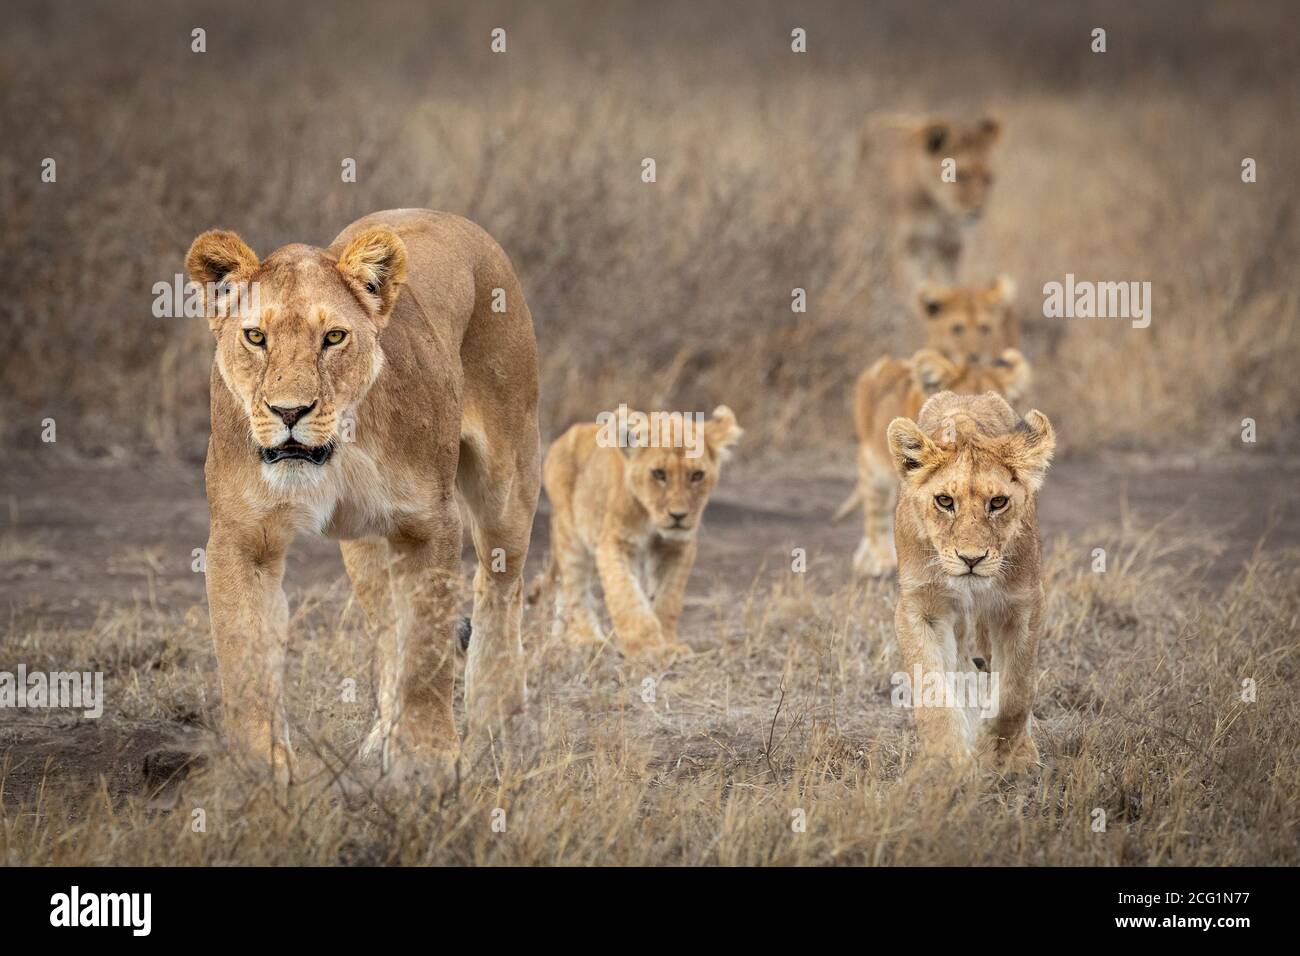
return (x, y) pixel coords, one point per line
(970, 470)
(969, 323)
(673, 462)
(308, 350)
(969, 146)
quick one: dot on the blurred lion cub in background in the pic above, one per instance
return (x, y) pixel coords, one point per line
(970, 334)
(630, 515)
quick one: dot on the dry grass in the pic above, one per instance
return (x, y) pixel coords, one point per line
(1119, 166)
(785, 707)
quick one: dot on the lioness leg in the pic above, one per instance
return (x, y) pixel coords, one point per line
(416, 727)
(366, 560)
(500, 484)
(250, 616)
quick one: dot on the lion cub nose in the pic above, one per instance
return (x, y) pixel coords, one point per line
(972, 559)
(290, 415)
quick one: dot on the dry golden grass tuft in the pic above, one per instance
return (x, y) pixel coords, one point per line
(784, 709)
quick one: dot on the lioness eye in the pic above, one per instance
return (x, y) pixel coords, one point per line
(255, 337)
(335, 336)
(997, 503)
(658, 474)
(944, 502)
(697, 476)
(372, 288)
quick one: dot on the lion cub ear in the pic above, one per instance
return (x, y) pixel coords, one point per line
(215, 257)
(374, 263)
(1030, 449)
(911, 448)
(721, 432)
(930, 298)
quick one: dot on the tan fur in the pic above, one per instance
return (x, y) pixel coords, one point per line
(969, 566)
(612, 517)
(971, 323)
(429, 394)
(893, 387)
(927, 218)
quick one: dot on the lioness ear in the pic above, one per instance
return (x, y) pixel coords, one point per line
(933, 137)
(375, 264)
(216, 256)
(930, 297)
(931, 371)
(1031, 448)
(721, 432)
(910, 447)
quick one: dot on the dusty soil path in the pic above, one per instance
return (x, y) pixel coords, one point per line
(79, 535)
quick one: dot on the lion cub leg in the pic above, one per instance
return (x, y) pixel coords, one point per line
(575, 603)
(416, 728)
(1007, 741)
(670, 567)
(929, 647)
(876, 556)
(638, 629)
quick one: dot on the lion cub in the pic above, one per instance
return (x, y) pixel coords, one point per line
(894, 387)
(627, 507)
(930, 206)
(971, 598)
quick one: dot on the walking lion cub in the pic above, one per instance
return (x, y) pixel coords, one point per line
(895, 387)
(969, 557)
(626, 507)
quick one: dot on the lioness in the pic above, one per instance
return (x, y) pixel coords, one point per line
(628, 510)
(929, 216)
(966, 531)
(892, 387)
(372, 382)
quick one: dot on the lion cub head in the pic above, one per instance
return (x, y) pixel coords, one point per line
(672, 464)
(969, 145)
(300, 348)
(970, 470)
(969, 323)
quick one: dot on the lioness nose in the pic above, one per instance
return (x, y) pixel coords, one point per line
(291, 415)
(972, 559)
(677, 516)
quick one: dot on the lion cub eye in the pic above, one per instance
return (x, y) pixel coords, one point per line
(697, 476)
(997, 503)
(944, 502)
(255, 337)
(658, 474)
(334, 337)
